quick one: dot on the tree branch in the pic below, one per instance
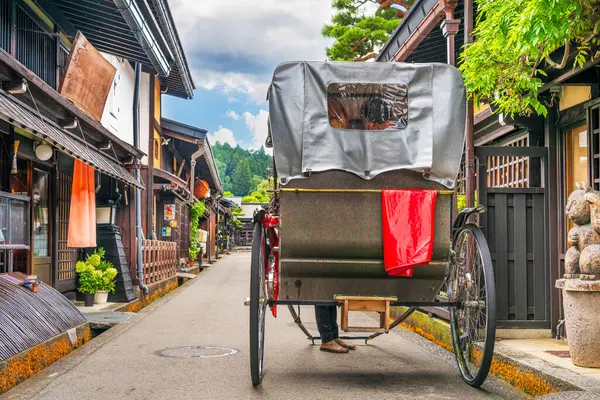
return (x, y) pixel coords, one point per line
(565, 57)
(366, 57)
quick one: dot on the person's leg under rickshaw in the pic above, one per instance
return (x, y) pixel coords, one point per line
(326, 317)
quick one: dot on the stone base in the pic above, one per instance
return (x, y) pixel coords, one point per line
(581, 303)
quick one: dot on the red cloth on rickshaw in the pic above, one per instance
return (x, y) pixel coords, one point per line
(408, 229)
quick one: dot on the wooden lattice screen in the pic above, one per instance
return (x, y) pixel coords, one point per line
(509, 172)
(594, 130)
(184, 231)
(67, 257)
(159, 259)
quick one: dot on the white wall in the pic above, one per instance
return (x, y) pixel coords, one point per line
(118, 111)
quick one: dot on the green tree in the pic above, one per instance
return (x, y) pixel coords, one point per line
(255, 197)
(227, 194)
(515, 42)
(228, 159)
(241, 178)
(358, 33)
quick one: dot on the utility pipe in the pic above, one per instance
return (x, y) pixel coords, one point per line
(138, 191)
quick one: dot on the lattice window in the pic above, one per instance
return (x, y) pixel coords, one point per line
(594, 127)
(67, 257)
(509, 172)
(184, 243)
(34, 48)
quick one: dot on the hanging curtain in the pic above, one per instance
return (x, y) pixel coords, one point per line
(82, 216)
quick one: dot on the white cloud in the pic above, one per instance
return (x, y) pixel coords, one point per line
(235, 47)
(233, 115)
(233, 84)
(222, 135)
(257, 125)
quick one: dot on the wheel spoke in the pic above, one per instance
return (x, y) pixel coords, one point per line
(469, 287)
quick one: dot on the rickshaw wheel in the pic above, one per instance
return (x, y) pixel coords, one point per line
(258, 303)
(473, 322)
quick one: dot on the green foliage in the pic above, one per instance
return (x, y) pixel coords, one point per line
(95, 273)
(515, 41)
(237, 212)
(242, 176)
(87, 280)
(461, 201)
(196, 213)
(358, 36)
(227, 194)
(255, 197)
(237, 223)
(241, 170)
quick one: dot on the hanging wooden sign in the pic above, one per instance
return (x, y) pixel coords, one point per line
(88, 77)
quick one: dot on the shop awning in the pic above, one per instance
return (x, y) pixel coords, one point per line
(21, 116)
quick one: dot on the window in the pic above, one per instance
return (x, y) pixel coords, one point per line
(367, 106)
(509, 172)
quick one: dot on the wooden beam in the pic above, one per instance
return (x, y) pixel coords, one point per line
(571, 72)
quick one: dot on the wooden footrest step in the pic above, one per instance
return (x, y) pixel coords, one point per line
(379, 305)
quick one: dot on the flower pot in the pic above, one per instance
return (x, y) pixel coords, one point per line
(88, 299)
(581, 303)
(101, 297)
(191, 263)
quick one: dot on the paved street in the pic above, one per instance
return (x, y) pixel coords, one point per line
(122, 364)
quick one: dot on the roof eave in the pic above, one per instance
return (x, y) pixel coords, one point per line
(164, 14)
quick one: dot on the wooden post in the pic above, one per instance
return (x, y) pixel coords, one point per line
(470, 148)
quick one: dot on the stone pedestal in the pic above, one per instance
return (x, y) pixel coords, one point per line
(581, 303)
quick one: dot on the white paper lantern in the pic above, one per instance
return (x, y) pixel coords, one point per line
(43, 152)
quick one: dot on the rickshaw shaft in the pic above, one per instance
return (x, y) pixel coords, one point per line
(396, 303)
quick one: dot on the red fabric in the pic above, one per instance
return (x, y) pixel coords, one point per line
(82, 216)
(270, 223)
(408, 228)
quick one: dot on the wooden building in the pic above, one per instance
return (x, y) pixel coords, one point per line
(48, 120)
(525, 167)
(184, 165)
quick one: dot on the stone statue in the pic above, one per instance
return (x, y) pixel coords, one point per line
(581, 284)
(582, 260)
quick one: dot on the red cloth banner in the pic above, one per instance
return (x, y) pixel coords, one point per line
(408, 229)
(82, 216)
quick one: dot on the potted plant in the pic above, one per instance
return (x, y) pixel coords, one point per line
(96, 278)
(105, 275)
(88, 283)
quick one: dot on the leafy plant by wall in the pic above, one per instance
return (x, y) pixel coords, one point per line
(196, 213)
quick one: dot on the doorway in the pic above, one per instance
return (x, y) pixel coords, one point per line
(35, 181)
(576, 161)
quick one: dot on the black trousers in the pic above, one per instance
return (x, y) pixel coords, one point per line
(326, 317)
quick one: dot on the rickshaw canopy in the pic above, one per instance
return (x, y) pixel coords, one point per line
(367, 118)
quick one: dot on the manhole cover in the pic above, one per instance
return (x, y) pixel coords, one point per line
(559, 353)
(196, 352)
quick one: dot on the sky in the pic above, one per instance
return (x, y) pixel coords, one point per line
(232, 49)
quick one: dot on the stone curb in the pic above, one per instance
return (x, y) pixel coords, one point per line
(39, 382)
(532, 375)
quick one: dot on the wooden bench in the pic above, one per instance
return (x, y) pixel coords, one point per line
(379, 305)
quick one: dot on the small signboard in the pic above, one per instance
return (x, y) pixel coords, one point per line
(169, 212)
(166, 231)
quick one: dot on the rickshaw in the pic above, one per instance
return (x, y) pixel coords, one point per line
(366, 156)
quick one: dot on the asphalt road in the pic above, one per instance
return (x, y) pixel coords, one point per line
(123, 364)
